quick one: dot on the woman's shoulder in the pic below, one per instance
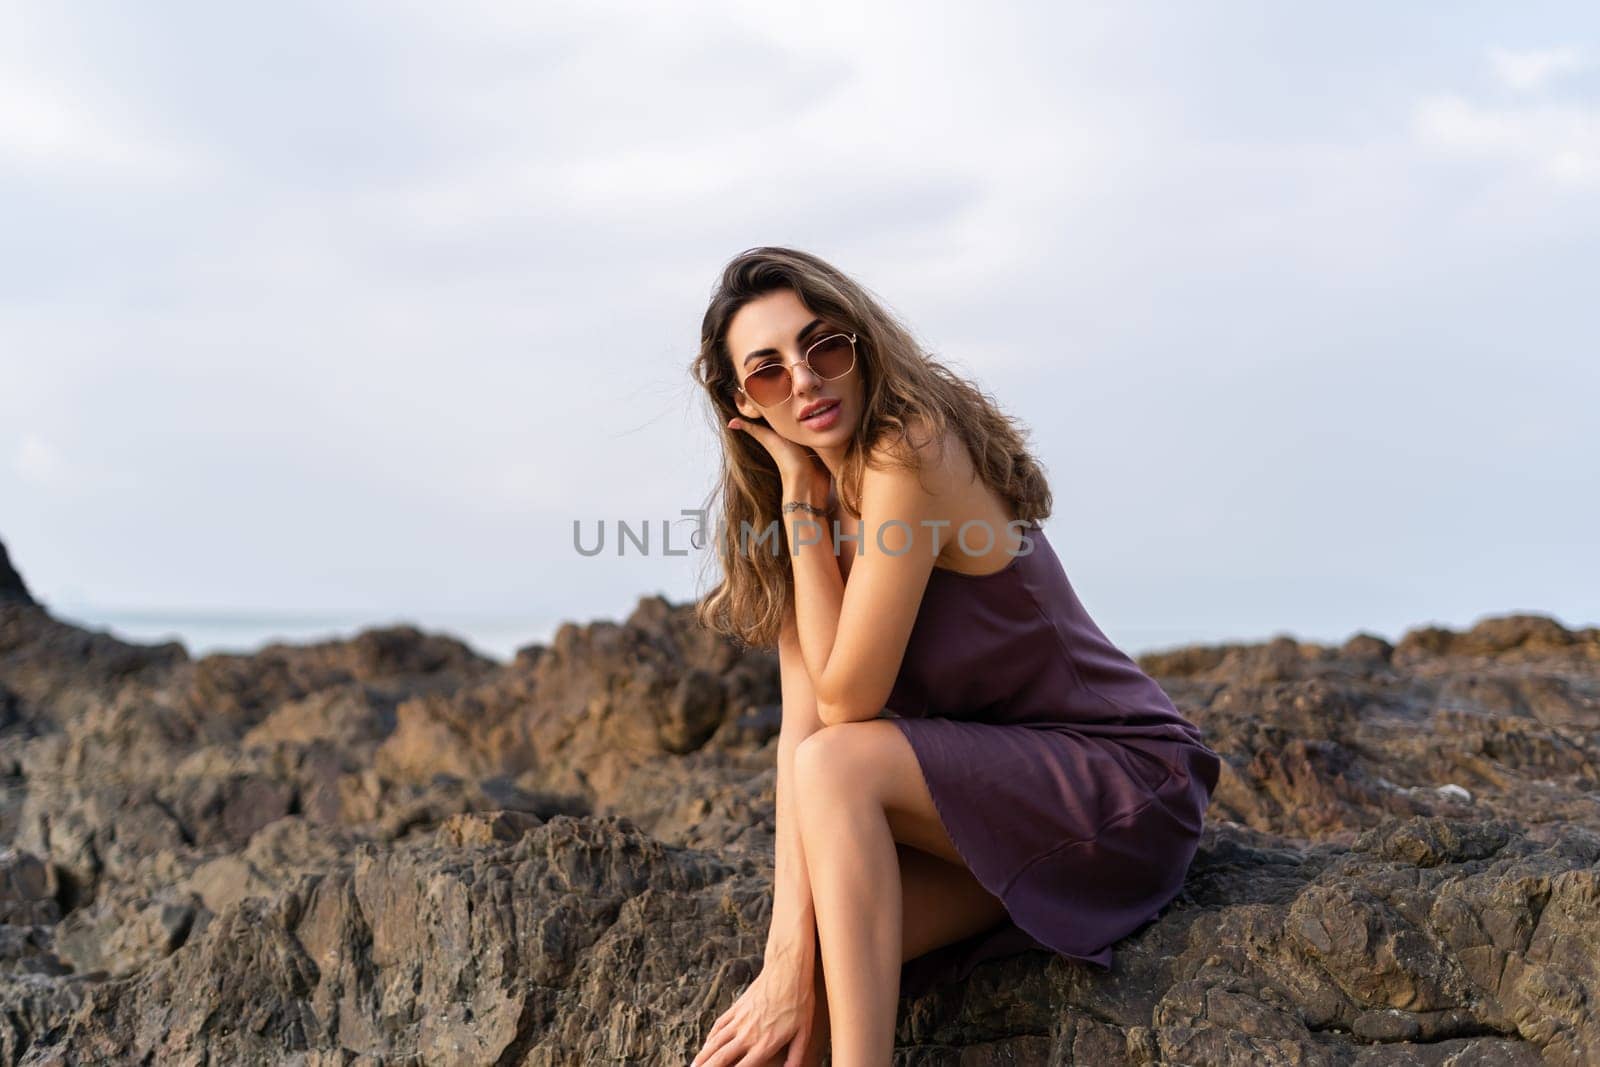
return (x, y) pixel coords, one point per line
(936, 453)
(922, 445)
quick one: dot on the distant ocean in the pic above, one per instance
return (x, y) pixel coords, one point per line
(497, 637)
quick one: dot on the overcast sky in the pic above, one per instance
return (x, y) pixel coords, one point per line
(353, 309)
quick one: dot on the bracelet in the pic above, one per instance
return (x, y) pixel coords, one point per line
(799, 505)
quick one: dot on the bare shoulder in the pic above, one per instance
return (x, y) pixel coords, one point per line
(940, 459)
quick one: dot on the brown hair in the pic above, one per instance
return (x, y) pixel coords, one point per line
(902, 385)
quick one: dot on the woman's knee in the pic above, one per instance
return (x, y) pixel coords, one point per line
(824, 756)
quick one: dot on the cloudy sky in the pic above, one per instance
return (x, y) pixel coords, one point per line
(349, 311)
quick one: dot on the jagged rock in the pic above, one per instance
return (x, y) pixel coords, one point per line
(27, 889)
(12, 587)
(390, 850)
(121, 936)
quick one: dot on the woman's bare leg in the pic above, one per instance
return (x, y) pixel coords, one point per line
(941, 902)
(878, 902)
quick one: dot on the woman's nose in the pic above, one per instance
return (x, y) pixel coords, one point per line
(804, 377)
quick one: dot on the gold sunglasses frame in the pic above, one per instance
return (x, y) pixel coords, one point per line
(806, 359)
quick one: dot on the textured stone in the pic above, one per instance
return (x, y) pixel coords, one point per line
(390, 850)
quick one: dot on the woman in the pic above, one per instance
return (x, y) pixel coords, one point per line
(995, 775)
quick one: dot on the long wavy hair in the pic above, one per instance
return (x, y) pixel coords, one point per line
(903, 386)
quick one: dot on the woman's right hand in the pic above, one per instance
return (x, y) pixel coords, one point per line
(777, 1009)
(798, 466)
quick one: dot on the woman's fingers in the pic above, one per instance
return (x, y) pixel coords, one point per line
(722, 1030)
(707, 1047)
(737, 1040)
(718, 1050)
(784, 453)
(797, 1051)
(729, 1049)
(711, 1048)
(757, 1055)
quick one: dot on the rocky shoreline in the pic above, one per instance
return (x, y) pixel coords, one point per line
(392, 850)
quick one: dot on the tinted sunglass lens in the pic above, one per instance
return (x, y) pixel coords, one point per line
(833, 356)
(769, 385)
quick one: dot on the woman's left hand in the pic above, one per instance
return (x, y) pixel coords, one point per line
(797, 466)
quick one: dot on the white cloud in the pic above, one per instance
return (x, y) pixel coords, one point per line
(59, 114)
(45, 127)
(39, 462)
(1532, 68)
(1561, 142)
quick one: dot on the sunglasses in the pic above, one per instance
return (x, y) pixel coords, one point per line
(772, 383)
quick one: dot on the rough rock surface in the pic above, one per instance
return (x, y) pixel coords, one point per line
(391, 850)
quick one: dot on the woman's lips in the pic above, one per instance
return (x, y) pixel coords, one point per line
(824, 420)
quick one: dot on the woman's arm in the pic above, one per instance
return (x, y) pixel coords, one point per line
(791, 939)
(854, 641)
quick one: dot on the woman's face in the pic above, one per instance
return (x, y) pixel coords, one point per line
(778, 328)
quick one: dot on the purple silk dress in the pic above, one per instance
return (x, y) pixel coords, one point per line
(1068, 780)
